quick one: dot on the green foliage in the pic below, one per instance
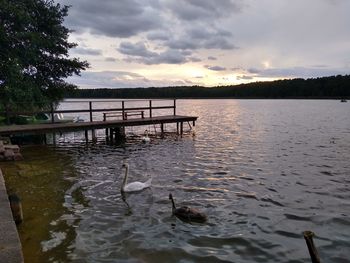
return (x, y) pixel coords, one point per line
(326, 87)
(34, 54)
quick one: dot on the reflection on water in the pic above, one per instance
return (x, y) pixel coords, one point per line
(263, 171)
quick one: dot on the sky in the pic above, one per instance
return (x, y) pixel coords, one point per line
(155, 43)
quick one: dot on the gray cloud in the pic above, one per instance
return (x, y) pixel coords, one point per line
(198, 9)
(158, 35)
(194, 59)
(126, 18)
(110, 79)
(138, 49)
(138, 52)
(215, 68)
(254, 70)
(110, 59)
(244, 77)
(186, 31)
(122, 18)
(202, 38)
(121, 79)
(87, 51)
(301, 72)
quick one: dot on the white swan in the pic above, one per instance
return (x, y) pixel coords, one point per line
(145, 137)
(134, 186)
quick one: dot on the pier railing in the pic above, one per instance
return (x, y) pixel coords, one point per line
(146, 108)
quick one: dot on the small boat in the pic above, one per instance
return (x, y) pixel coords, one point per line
(58, 117)
(343, 100)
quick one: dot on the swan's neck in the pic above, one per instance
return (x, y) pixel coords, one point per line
(125, 177)
(172, 201)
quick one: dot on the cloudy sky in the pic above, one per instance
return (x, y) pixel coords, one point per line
(144, 43)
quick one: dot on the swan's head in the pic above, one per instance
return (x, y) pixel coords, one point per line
(125, 165)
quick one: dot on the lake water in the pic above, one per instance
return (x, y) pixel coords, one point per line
(262, 170)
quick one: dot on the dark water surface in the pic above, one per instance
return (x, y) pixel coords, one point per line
(263, 171)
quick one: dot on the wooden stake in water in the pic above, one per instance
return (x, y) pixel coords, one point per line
(308, 235)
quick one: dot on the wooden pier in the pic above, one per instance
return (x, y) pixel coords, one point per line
(113, 120)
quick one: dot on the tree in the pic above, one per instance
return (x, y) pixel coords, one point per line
(34, 59)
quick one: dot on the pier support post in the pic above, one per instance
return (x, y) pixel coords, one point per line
(52, 113)
(181, 128)
(111, 130)
(177, 128)
(93, 136)
(162, 128)
(54, 139)
(150, 108)
(86, 136)
(119, 134)
(116, 135)
(107, 135)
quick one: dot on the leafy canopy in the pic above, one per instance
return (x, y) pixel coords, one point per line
(34, 58)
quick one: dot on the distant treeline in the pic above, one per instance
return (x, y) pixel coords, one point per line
(325, 87)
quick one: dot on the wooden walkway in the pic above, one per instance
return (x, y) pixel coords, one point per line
(84, 126)
(10, 245)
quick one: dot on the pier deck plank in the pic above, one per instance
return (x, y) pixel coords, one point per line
(66, 127)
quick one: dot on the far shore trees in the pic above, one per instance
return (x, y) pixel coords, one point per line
(334, 87)
(34, 59)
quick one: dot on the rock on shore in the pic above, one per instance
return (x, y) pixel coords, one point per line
(9, 152)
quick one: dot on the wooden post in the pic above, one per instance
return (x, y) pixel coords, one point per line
(162, 128)
(308, 235)
(93, 135)
(189, 125)
(123, 111)
(174, 107)
(150, 108)
(111, 130)
(90, 109)
(181, 128)
(86, 136)
(106, 129)
(54, 139)
(52, 114)
(194, 123)
(142, 115)
(177, 128)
